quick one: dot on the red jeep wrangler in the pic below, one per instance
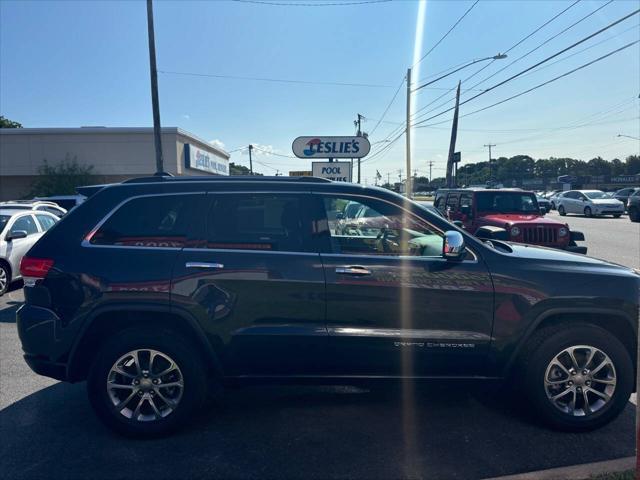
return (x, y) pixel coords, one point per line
(506, 214)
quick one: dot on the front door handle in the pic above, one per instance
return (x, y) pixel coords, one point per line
(356, 270)
(217, 266)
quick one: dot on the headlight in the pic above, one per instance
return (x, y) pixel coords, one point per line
(515, 231)
(563, 231)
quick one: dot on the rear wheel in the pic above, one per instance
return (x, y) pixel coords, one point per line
(617, 215)
(561, 211)
(4, 279)
(634, 214)
(577, 376)
(146, 383)
(587, 212)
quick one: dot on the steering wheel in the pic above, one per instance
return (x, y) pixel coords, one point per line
(383, 240)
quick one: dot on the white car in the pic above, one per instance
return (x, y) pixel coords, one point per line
(19, 230)
(588, 203)
(43, 206)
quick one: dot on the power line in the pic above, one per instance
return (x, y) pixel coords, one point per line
(544, 43)
(277, 80)
(552, 80)
(325, 4)
(611, 25)
(446, 34)
(491, 62)
(388, 106)
(273, 153)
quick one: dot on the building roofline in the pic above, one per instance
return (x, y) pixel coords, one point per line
(110, 130)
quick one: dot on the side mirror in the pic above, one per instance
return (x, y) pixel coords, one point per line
(453, 247)
(339, 215)
(16, 234)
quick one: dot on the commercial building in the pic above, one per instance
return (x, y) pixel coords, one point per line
(116, 154)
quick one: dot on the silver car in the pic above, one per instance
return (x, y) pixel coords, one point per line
(19, 230)
(589, 203)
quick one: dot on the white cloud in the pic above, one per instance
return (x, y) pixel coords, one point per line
(186, 116)
(217, 143)
(259, 149)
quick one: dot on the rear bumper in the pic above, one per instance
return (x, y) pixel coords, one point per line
(576, 249)
(37, 331)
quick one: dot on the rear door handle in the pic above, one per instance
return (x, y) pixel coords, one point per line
(356, 270)
(217, 266)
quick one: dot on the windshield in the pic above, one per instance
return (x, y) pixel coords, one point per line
(16, 207)
(507, 202)
(595, 195)
(4, 219)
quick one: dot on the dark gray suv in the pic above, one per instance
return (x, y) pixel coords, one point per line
(158, 290)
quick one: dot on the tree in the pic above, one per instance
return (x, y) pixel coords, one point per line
(62, 178)
(633, 164)
(6, 123)
(239, 170)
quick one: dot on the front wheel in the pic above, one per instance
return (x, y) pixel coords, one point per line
(577, 377)
(617, 215)
(146, 383)
(561, 211)
(634, 214)
(4, 279)
(587, 212)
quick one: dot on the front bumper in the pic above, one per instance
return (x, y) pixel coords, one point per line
(37, 331)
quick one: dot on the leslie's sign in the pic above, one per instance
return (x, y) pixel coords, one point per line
(331, 147)
(199, 159)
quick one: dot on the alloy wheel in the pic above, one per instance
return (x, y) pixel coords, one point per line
(3, 279)
(580, 380)
(145, 385)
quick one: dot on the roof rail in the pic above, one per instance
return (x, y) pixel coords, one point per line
(230, 178)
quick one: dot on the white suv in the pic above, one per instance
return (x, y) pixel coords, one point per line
(588, 203)
(43, 206)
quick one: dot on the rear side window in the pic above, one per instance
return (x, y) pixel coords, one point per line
(265, 222)
(26, 223)
(45, 221)
(155, 221)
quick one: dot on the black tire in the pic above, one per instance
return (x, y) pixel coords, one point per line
(170, 343)
(634, 214)
(617, 215)
(561, 211)
(542, 349)
(5, 278)
(588, 212)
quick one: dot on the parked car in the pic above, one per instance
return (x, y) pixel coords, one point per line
(507, 214)
(589, 203)
(543, 203)
(624, 193)
(170, 287)
(65, 201)
(554, 198)
(633, 207)
(41, 206)
(19, 230)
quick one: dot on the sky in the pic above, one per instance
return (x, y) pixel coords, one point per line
(71, 64)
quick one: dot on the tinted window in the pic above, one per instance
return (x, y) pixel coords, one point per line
(466, 200)
(506, 202)
(452, 202)
(26, 223)
(257, 222)
(384, 229)
(156, 221)
(595, 195)
(46, 222)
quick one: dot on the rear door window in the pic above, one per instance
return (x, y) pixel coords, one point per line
(254, 221)
(45, 221)
(159, 221)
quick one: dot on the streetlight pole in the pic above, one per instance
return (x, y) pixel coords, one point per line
(250, 160)
(154, 90)
(628, 136)
(499, 56)
(490, 161)
(408, 135)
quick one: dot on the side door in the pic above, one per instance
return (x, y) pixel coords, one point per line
(395, 306)
(18, 247)
(256, 284)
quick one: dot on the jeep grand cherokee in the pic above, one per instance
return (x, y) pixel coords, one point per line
(158, 290)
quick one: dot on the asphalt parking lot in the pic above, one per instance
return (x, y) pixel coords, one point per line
(433, 431)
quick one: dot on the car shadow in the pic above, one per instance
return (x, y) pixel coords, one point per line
(427, 431)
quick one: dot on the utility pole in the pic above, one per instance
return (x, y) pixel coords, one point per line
(408, 189)
(358, 123)
(388, 178)
(250, 160)
(452, 143)
(490, 161)
(154, 90)
(430, 166)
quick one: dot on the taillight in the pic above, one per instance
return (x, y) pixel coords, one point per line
(35, 267)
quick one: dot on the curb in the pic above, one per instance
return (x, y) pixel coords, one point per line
(576, 472)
